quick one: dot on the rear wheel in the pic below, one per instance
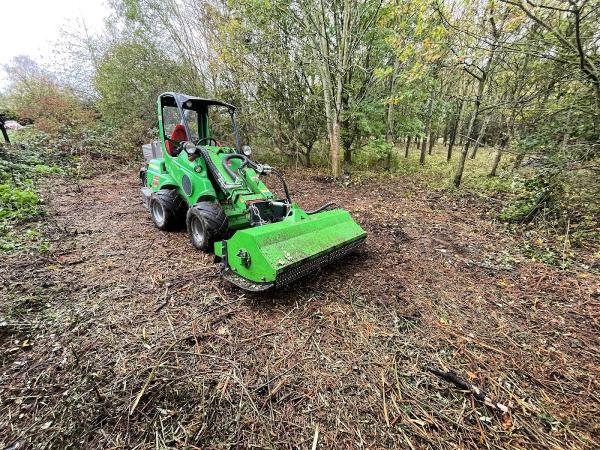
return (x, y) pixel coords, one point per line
(206, 223)
(167, 209)
(143, 172)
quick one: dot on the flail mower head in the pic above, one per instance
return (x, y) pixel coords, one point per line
(200, 175)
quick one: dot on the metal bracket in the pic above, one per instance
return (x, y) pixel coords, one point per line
(245, 257)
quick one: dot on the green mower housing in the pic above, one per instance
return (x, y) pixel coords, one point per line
(198, 174)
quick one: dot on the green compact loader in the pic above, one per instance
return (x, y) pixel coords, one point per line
(200, 174)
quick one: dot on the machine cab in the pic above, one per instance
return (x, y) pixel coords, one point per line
(209, 123)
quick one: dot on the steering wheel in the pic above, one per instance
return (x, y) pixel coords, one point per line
(207, 140)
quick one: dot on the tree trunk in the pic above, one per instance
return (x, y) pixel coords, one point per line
(496, 161)
(307, 155)
(4, 133)
(505, 141)
(389, 134)
(423, 150)
(334, 149)
(407, 146)
(387, 161)
(427, 136)
(329, 114)
(480, 89)
(347, 160)
(454, 132)
(347, 136)
(511, 126)
(333, 88)
(480, 137)
(465, 150)
(445, 137)
(432, 142)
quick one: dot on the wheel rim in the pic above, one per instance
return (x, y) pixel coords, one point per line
(158, 212)
(197, 230)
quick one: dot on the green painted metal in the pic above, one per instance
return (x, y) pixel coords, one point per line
(261, 254)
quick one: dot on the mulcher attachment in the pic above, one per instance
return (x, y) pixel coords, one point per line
(277, 254)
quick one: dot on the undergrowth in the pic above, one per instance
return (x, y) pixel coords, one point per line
(30, 162)
(32, 158)
(556, 211)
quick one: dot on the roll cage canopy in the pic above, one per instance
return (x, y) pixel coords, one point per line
(178, 100)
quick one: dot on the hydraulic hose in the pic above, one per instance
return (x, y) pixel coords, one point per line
(245, 161)
(285, 188)
(322, 208)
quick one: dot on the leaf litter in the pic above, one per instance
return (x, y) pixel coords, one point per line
(124, 337)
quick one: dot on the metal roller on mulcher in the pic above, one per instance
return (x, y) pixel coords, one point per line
(216, 190)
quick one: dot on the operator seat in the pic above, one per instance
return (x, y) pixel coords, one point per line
(178, 135)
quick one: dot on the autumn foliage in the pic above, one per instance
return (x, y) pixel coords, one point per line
(52, 108)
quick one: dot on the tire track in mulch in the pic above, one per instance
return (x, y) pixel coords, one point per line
(125, 336)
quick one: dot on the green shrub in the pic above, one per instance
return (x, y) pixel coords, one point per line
(374, 153)
(18, 204)
(43, 168)
(53, 109)
(534, 196)
(33, 158)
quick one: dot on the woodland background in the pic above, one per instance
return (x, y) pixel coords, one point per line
(354, 86)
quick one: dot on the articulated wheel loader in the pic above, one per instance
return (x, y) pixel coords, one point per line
(199, 174)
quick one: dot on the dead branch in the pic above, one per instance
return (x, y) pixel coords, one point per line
(461, 383)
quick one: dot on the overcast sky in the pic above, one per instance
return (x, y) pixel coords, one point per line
(30, 27)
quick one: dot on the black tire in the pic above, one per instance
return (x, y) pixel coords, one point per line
(143, 172)
(167, 209)
(206, 223)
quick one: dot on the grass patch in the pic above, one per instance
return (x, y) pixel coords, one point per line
(437, 173)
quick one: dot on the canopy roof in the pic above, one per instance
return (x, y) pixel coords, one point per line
(182, 98)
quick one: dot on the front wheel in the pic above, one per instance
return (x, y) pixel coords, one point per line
(206, 223)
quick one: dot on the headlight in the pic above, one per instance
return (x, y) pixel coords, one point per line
(189, 147)
(247, 150)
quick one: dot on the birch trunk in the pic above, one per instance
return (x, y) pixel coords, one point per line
(480, 89)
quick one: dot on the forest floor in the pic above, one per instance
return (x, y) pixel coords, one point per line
(123, 336)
